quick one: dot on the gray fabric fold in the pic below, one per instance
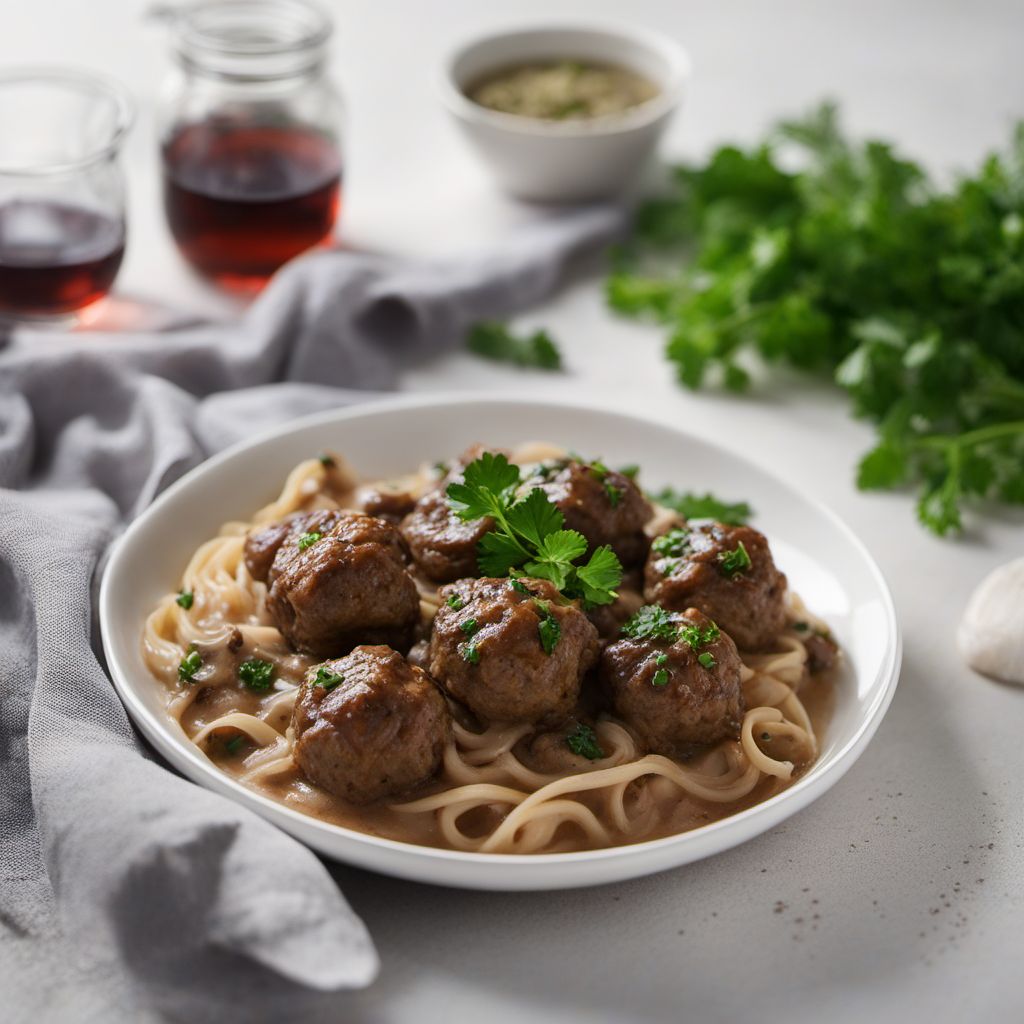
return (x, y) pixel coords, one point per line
(129, 893)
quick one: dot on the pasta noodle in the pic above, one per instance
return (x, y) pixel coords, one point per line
(487, 798)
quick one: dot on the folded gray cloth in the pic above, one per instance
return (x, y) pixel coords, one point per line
(129, 893)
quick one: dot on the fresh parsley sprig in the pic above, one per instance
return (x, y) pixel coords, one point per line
(842, 258)
(529, 535)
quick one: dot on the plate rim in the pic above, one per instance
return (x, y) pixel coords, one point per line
(751, 822)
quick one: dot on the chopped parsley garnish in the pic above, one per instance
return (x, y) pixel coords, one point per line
(185, 599)
(469, 627)
(660, 678)
(651, 622)
(703, 506)
(455, 601)
(661, 659)
(707, 659)
(307, 540)
(673, 544)
(696, 636)
(582, 741)
(327, 461)
(520, 586)
(494, 341)
(801, 627)
(632, 471)
(549, 629)
(234, 745)
(328, 678)
(736, 561)
(190, 665)
(440, 469)
(614, 494)
(528, 535)
(256, 674)
(470, 653)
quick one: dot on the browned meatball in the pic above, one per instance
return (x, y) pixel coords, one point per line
(676, 694)
(605, 506)
(511, 652)
(389, 503)
(369, 725)
(348, 586)
(725, 571)
(442, 545)
(269, 549)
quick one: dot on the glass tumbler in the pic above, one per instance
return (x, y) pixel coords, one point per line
(62, 217)
(250, 136)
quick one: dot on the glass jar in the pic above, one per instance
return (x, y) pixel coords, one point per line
(250, 136)
(62, 220)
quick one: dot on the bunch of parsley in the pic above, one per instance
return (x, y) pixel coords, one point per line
(845, 259)
(529, 537)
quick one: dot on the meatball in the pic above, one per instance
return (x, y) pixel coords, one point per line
(676, 694)
(821, 652)
(605, 506)
(369, 725)
(349, 586)
(725, 571)
(390, 503)
(270, 549)
(511, 651)
(442, 545)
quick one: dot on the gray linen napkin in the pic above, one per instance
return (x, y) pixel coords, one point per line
(127, 891)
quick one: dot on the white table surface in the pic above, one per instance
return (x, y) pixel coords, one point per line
(899, 896)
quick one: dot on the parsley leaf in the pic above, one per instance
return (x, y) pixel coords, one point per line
(528, 536)
(307, 540)
(583, 742)
(256, 673)
(696, 637)
(673, 544)
(703, 506)
(185, 599)
(327, 678)
(492, 340)
(707, 659)
(660, 677)
(470, 653)
(735, 561)
(456, 602)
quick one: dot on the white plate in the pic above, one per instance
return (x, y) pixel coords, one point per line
(825, 563)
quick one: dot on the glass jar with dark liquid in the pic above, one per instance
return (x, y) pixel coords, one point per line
(250, 139)
(62, 220)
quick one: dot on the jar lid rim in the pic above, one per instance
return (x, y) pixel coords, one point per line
(204, 26)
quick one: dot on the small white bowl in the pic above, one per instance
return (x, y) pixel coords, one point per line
(567, 161)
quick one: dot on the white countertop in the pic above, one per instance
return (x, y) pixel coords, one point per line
(899, 895)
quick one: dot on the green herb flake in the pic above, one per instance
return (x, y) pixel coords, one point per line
(234, 745)
(493, 340)
(307, 540)
(661, 659)
(327, 678)
(632, 471)
(549, 627)
(520, 587)
(327, 460)
(583, 742)
(190, 665)
(801, 627)
(707, 659)
(674, 544)
(469, 626)
(614, 494)
(736, 561)
(696, 637)
(455, 601)
(185, 599)
(256, 674)
(470, 653)
(651, 622)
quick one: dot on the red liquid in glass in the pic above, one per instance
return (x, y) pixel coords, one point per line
(55, 258)
(241, 201)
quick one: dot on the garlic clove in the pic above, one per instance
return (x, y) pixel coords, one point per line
(991, 634)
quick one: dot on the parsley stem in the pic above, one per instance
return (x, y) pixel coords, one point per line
(973, 437)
